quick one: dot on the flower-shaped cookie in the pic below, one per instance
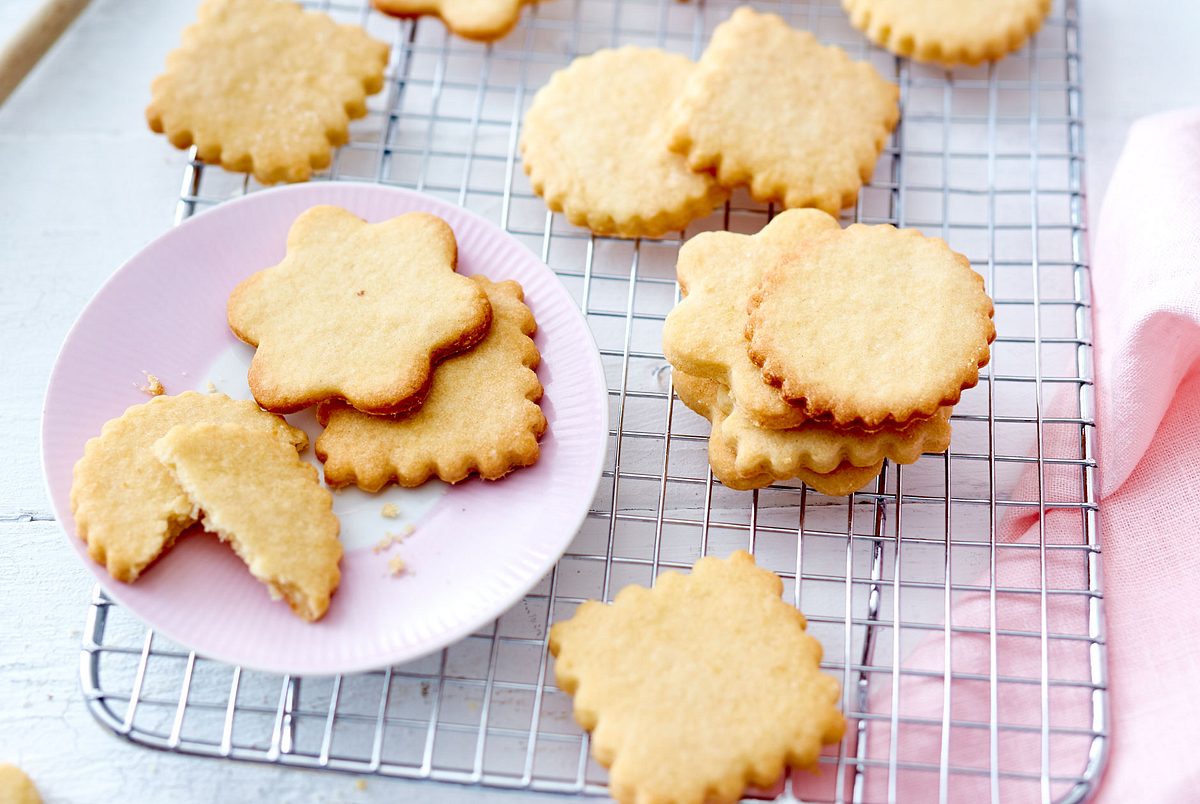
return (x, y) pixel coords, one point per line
(698, 687)
(871, 325)
(948, 32)
(481, 20)
(127, 506)
(704, 335)
(481, 414)
(594, 145)
(357, 311)
(265, 87)
(769, 107)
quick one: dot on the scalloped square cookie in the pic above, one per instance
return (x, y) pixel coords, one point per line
(769, 107)
(265, 87)
(704, 335)
(127, 506)
(481, 20)
(481, 415)
(698, 687)
(254, 492)
(594, 145)
(948, 32)
(357, 311)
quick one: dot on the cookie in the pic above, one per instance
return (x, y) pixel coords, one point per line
(699, 687)
(948, 32)
(704, 335)
(264, 87)
(127, 506)
(16, 787)
(762, 457)
(594, 145)
(481, 415)
(769, 107)
(254, 492)
(871, 325)
(357, 311)
(481, 20)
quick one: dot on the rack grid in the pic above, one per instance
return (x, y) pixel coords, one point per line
(989, 158)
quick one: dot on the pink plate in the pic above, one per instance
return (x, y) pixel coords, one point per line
(474, 549)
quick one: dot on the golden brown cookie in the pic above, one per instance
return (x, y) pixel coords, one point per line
(254, 491)
(770, 107)
(871, 325)
(263, 86)
(127, 506)
(948, 32)
(699, 687)
(357, 311)
(704, 335)
(481, 415)
(481, 20)
(594, 145)
(746, 457)
(16, 787)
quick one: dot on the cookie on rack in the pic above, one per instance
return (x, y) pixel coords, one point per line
(16, 787)
(265, 87)
(254, 492)
(948, 32)
(127, 506)
(481, 20)
(704, 335)
(481, 415)
(745, 457)
(769, 107)
(715, 661)
(594, 145)
(357, 311)
(871, 326)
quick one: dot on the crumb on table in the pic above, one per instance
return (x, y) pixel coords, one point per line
(360, 784)
(153, 386)
(390, 510)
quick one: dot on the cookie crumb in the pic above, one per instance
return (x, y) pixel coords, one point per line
(396, 566)
(390, 510)
(360, 784)
(211, 387)
(153, 386)
(392, 538)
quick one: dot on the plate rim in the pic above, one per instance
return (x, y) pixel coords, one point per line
(111, 586)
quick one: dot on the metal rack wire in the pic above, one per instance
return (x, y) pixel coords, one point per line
(989, 158)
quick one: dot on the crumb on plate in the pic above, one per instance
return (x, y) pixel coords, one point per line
(396, 566)
(153, 386)
(390, 510)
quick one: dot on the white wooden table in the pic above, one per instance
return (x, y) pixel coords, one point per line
(83, 185)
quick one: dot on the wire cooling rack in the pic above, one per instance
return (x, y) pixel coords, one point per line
(989, 158)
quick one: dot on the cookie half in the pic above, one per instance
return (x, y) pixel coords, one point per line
(255, 493)
(481, 415)
(705, 334)
(265, 87)
(127, 505)
(481, 20)
(357, 311)
(699, 687)
(948, 32)
(594, 144)
(871, 325)
(769, 107)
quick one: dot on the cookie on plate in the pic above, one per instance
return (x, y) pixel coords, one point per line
(948, 32)
(481, 20)
(871, 325)
(769, 107)
(357, 311)
(594, 145)
(265, 87)
(699, 687)
(127, 506)
(704, 335)
(744, 457)
(254, 492)
(481, 415)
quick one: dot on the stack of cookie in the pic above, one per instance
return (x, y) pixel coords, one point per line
(637, 142)
(818, 352)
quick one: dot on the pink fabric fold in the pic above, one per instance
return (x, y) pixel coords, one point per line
(1146, 323)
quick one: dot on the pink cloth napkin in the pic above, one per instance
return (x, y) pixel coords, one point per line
(1146, 322)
